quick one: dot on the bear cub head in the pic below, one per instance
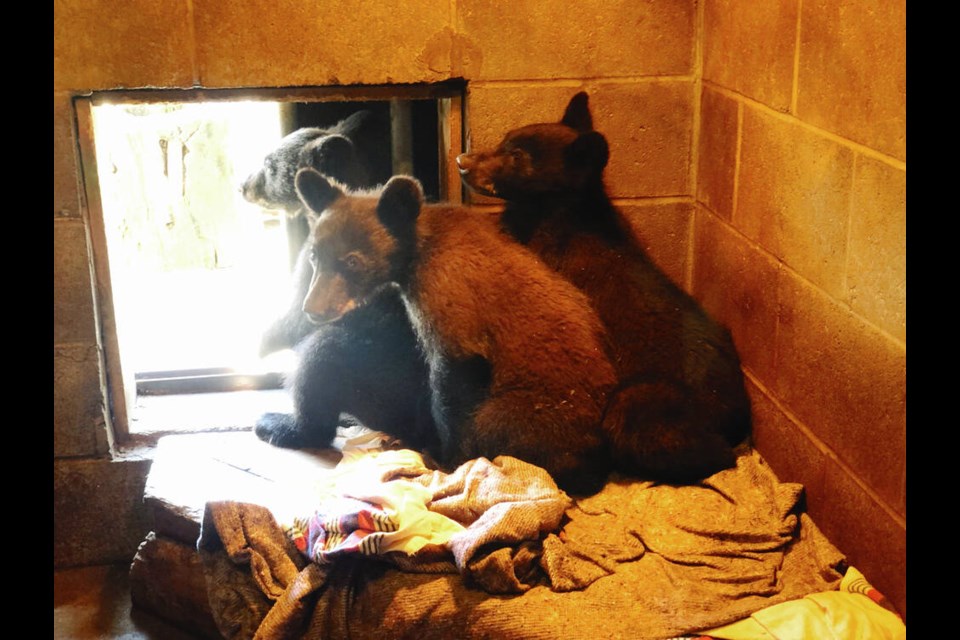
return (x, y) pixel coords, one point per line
(359, 244)
(538, 160)
(330, 151)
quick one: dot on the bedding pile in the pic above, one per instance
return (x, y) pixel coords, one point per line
(494, 549)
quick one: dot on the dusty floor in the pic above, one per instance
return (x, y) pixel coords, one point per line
(94, 602)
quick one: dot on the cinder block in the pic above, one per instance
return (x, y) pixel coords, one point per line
(99, 44)
(663, 230)
(877, 266)
(853, 74)
(748, 46)
(872, 540)
(785, 447)
(98, 511)
(293, 43)
(846, 381)
(549, 39)
(79, 427)
(167, 578)
(73, 319)
(794, 196)
(717, 156)
(66, 194)
(649, 126)
(737, 285)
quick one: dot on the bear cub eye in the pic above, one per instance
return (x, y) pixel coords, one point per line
(352, 262)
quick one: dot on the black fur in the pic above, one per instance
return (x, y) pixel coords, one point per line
(367, 365)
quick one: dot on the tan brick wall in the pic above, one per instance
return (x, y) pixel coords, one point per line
(551, 39)
(749, 46)
(103, 45)
(852, 75)
(78, 418)
(757, 147)
(800, 246)
(292, 43)
(98, 516)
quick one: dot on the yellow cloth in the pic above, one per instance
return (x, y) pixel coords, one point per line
(845, 614)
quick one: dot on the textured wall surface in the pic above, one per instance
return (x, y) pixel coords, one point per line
(801, 248)
(758, 148)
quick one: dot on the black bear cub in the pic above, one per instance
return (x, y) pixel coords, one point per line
(368, 364)
(516, 354)
(332, 152)
(680, 405)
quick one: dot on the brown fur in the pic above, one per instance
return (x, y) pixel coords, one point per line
(680, 405)
(517, 356)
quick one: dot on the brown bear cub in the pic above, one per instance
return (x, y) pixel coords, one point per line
(516, 354)
(680, 405)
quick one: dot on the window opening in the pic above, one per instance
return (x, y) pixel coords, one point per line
(193, 273)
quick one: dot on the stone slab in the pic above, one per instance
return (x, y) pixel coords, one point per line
(190, 470)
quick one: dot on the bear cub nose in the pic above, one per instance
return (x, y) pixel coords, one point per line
(464, 163)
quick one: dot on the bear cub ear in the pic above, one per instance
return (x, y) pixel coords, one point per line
(315, 191)
(589, 152)
(327, 154)
(350, 125)
(577, 115)
(400, 203)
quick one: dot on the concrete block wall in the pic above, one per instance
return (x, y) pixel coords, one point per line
(800, 238)
(663, 79)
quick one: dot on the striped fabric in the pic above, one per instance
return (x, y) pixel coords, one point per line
(341, 526)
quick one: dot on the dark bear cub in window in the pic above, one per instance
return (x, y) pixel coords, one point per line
(331, 151)
(680, 405)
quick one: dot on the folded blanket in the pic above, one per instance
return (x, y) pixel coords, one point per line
(637, 560)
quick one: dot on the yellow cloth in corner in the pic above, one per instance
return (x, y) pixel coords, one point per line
(845, 614)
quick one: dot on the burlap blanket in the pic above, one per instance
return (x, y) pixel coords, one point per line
(637, 560)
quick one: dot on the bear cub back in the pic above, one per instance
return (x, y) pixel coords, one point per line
(680, 405)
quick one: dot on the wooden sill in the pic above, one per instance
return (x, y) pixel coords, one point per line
(158, 415)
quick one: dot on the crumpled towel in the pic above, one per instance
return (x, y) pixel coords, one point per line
(507, 506)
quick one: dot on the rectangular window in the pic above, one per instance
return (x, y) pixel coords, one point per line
(189, 273)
